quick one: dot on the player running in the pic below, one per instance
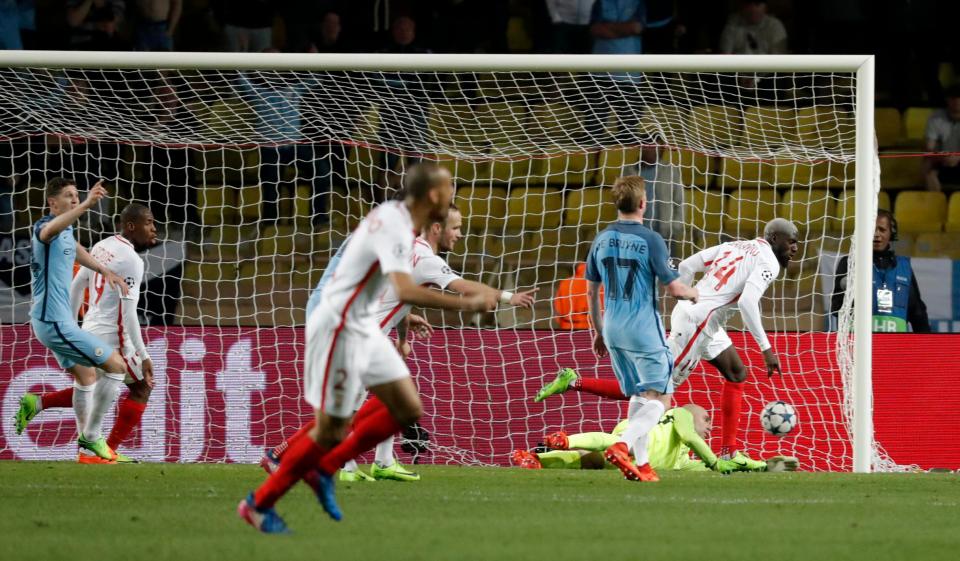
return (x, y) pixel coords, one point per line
(626, 259)
(679, 431)
(735, 276)
(51, 316)
(112, 317)
(346, 350)
(431, 270)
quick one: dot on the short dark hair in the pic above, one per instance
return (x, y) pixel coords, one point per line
(56, 185)
(452, 207)
(421, 178)
(628, 193)
(133, 212)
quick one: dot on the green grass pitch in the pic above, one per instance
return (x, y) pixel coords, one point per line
(51, 511)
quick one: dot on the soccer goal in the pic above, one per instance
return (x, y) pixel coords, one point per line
(259, 165)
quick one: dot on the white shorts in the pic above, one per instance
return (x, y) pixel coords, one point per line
(131, 359)
(690, 342)
(341, 361)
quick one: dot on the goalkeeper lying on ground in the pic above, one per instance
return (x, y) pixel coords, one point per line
(679, 431)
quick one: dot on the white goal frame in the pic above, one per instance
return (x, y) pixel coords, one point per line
(862, 66)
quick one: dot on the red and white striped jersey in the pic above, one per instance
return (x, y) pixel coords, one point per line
(429, 269)
(105, 304)
(381, 244)
(728, 268)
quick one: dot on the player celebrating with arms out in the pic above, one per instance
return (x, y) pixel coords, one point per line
(52, 318)
(108, 309)
(346, 350)
(735, 276)
(626, 259)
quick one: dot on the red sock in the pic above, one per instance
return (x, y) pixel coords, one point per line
(62, 398)
(369, 406)
(731, 401)
(301, 456)
(366, 434)
(598, 386)
(282, 448)
(128, 418)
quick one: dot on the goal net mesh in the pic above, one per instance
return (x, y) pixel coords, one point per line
(256, 177)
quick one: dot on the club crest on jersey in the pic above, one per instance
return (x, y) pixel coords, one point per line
(766, 274)
(98, 351)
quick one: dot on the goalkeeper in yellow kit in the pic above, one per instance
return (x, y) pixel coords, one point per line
(680, 431)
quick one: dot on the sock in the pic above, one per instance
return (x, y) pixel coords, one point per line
(384, 453)
(62, 398)
(593, 441)
(104, 395)
(598, 386)
(128, 417)
(351, 466)
(731, 402)
(301, 456)
(640, 455)
(281, 449)
(560, 459)
(643, 415)
(369, 406)
(365, 435)
(82, 403)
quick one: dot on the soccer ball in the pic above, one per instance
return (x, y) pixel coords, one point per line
(778, 418)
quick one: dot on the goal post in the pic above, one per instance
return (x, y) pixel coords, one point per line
(515, 152)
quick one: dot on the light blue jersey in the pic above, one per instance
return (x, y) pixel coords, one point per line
(52, 266)
(328, 273)
(627, 257)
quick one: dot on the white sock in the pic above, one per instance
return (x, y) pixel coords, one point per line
(351, 466)
(82, 404)
(640, 455)
(108, 386)
(384, 454)
(643, 415)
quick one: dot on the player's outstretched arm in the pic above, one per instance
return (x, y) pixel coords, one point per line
(112, 279)
(682, 291)
(468, 288)
(684, 427)
(411, 293)
(62, 221)
(750, 311)
(696, 263)
(80, 281)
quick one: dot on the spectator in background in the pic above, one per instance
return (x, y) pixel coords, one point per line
(403, 37)
(896, 295)
(617, 26)
(328, 40)
(943, 135)
(752, 31)
(17, 21)
(570, 29)
(94, 24)
(247, 24)
(156, 23)
(570, 302)
(312, 26)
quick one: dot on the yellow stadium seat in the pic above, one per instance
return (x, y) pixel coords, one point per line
(824, 127)
(809, 209)
(768, 127)
(218, 205)
(937, 244)
(920, 211)
(611, 164)
(715, 125)
(588, 206)
(842, 223)
(704, 210)
(483, 208)
(915, 123)
(465, 171)
(887, 122)
(248, 203)
(558, 124)
(901, 172)
(817, 174)
(364, 166)
(665, 123)
(953, 213)
(533, 208)
(695, 168)
(573, 168)
(748, 210)
(736, 173)
(347, 206)
(453, 125)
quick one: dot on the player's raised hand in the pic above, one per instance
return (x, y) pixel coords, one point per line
(94, 195)
(599, 347)
(147, 368)
(419, 326)
(772, 363)
(116, 282)
(523, 299)
(403, 346)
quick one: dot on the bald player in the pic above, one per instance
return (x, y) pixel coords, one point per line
(735, 276)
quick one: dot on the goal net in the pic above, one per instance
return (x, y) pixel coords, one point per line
(257, 176)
